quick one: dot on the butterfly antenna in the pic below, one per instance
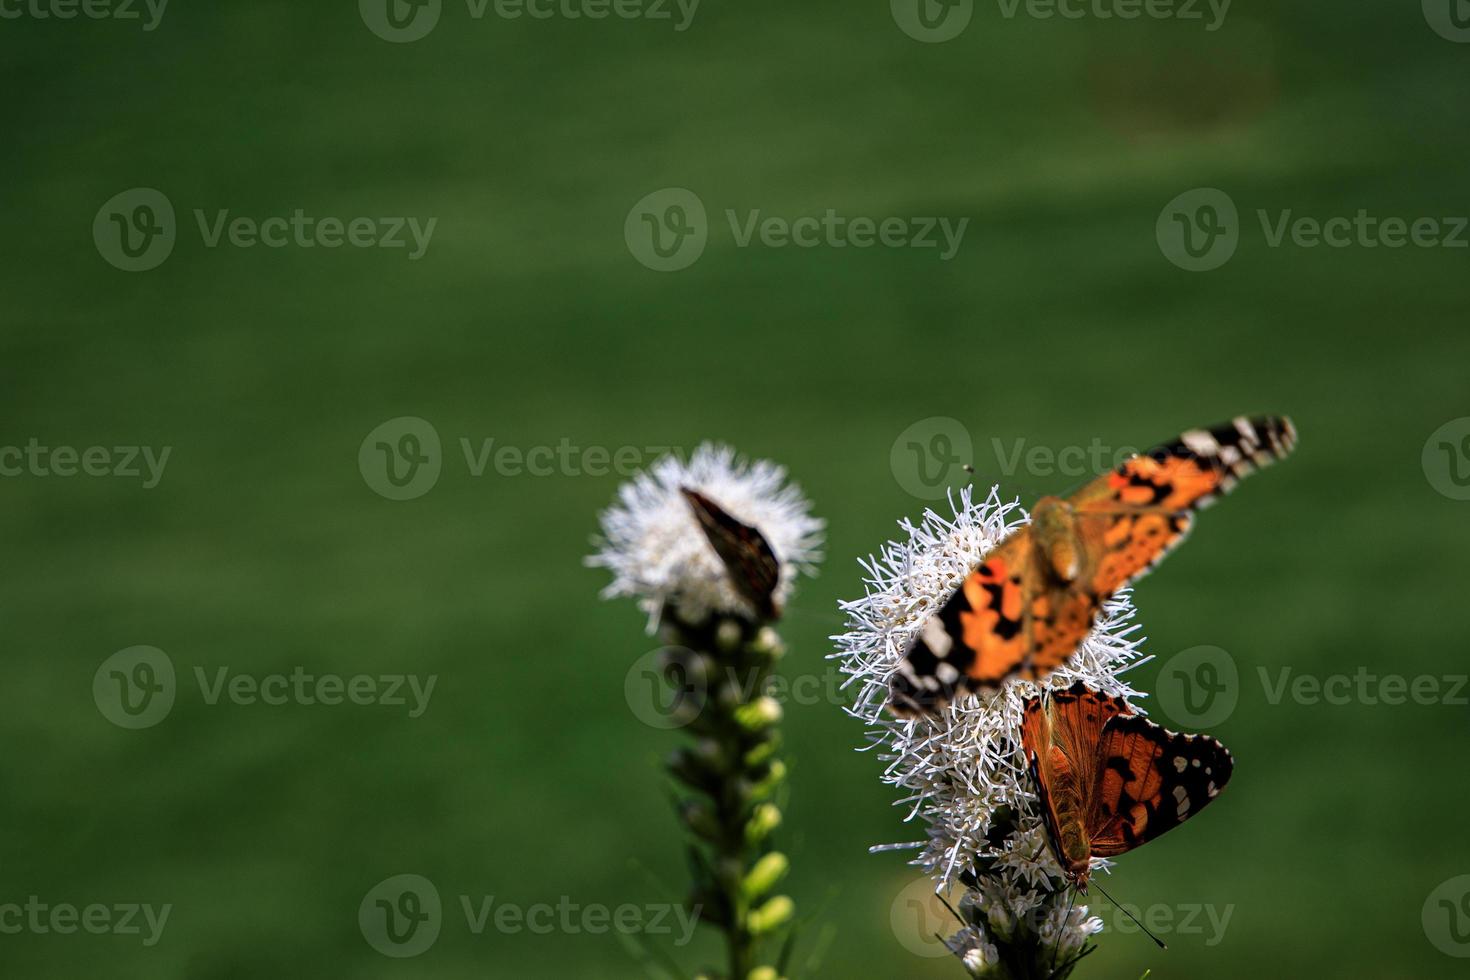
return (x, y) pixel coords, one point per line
(1072, 963)
(1071, 898)
(1130, 915)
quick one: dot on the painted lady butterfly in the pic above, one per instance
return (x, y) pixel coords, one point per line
(747, 556)
(1110, 780)
(1025, 608)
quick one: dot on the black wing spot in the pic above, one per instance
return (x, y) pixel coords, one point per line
(1119, 765)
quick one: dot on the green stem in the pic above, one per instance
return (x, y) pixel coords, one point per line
(732, 769)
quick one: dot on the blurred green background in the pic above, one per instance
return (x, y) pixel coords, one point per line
(530, 321)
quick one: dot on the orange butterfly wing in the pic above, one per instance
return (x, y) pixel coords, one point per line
(1060, 619)
(1012, 617)
(1152, 780)
(1061, 735)
(1128, 520)
(979, 637)
(1132, 517)
(1109, 780)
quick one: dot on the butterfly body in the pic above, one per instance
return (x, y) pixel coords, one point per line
(1033, 598)
(1109, 780)
(1067, 818)
(1056, 538)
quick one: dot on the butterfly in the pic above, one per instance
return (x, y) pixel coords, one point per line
(1033, 598)
(747, 556)
(1110, 780)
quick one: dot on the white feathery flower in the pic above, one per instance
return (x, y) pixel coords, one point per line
(1066, 927)
(657, 552)
(970, 946)
(964, 772)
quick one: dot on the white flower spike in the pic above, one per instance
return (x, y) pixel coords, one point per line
(658, 554)
(710, 548)
(964, 772)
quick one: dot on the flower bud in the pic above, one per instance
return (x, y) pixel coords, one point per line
(758, 715)
(690, 665)
(775, 773)
(765, 819)
(728, 635)
(767, 644)
(761, 753)
(771, 916)
(769, 870)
